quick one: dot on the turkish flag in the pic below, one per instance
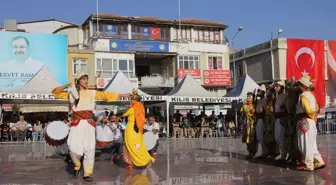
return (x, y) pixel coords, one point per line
(306, 57)
(331, 60)
(155, 33)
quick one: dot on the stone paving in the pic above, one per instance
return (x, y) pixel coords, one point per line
(217, 161)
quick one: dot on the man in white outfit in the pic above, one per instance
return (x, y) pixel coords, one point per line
(261, 104)
(280, 119)
(21, 68)
(306, 111)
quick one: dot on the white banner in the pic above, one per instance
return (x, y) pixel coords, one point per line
(215, 100)
(26, 96)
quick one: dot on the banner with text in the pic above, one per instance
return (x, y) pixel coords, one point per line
(22, 55)
(142, 46)
(196, 73)
(216, 77)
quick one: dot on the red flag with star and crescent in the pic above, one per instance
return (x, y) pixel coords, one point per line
(306, 57)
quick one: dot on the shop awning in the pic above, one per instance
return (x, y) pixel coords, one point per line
(188, 90)
(245, 85)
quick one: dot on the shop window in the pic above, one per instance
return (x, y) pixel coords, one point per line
(79, 64)
(107, 67)
(215, 62)
(188, 62)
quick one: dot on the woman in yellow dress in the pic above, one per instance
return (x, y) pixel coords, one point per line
(249, 130)
(135, 152)
(82, 138)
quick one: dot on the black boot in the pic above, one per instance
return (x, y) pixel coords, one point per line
(75, 174)
(88, 178)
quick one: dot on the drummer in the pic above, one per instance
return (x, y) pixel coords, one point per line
(153, 126)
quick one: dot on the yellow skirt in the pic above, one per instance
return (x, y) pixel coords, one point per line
(136, 148)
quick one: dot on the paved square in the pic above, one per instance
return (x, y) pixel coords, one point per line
(218, 161)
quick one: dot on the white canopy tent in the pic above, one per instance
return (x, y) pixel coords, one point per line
(122, 85)
(36, 91)
(245, 85)
(189, 91)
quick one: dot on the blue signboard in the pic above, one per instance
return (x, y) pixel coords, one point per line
(110, 29)
(142, 46)
(145, 31)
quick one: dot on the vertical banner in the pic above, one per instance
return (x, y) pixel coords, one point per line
(220, 63)
(306, 58)
(210, 66)
(331, 67)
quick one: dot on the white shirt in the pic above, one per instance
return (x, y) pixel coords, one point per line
(14, 75)
(116, 131)
(151, 127)
(104, 133)
(29, 127)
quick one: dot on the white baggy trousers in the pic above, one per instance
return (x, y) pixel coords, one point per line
(82, 141)
(308, 146)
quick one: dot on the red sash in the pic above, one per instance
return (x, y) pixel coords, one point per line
(77, 116)
(102, 144)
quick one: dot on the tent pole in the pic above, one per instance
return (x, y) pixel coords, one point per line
(167, 107)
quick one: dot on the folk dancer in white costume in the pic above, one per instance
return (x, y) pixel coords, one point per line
(82, 138)
(260, 114)
(306, 110)
(280, 119)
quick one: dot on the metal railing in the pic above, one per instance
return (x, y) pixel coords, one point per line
(326, 125)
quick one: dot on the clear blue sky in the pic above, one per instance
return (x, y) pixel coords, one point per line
(298, 18)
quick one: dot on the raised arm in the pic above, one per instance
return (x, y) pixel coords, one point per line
(109, 96)
(59, 92)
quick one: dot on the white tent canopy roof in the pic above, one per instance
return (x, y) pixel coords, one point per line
(189, 87)
(120, 84)
(245, 85)
(42, 83)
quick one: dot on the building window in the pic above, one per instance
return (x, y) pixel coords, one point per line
(207, 35)
(79, 65)
(183, 34)
(188, 62)
(215, 62)
(117, 31)
(146, 32)
(213, 90)
(240, 70)
(107, 67)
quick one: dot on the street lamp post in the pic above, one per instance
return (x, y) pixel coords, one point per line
(234, 58)
(272, 55)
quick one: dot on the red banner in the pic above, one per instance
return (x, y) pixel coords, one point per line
(331, 58)
(216, 74)
(193, 72)
(306, 57)
(155, 33)
(217, 81)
